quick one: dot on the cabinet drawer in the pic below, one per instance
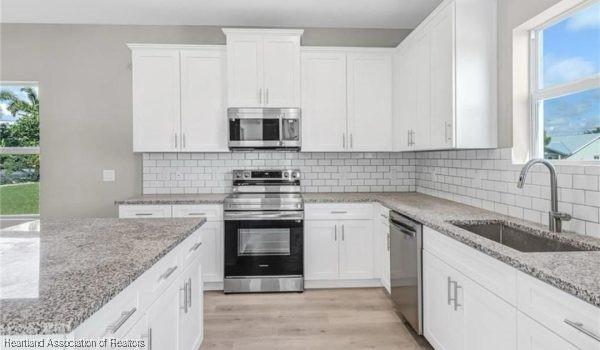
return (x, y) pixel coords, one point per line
(560, 312)
(490, 273)
(162, 274)
(115, 318)
(210, 212)
(190, 248)
(144, 211)
(329, 211)
(533, 336)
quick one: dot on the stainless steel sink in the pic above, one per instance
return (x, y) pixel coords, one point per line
(519, 239)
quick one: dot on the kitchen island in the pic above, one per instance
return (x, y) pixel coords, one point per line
(95, 278)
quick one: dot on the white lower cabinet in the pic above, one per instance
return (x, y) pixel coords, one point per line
(163, 320)
(460, 314)
(534, 336)
(472, 301)
(381, 252)
(190, 332)
(442, 325)
(211, 232)
(338, 249)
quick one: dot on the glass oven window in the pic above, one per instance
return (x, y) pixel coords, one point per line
(263, 241)
(254, 129)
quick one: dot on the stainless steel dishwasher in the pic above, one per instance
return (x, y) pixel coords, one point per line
(406, 241)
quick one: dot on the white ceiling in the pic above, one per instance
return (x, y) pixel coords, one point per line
(271, 13)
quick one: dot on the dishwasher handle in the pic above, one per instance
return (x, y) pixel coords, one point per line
(402, 228)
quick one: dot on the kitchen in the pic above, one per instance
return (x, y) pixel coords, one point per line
(308, 180)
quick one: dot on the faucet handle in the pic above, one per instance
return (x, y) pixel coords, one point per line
(560, 215)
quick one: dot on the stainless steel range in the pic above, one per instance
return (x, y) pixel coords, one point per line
(264, 232)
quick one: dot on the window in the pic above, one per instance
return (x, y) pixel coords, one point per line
(19, 152)
(565, 86)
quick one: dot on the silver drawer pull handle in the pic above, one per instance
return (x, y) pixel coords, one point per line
(339, 212)
(149, 336)
(167, 273)
(143, 214)
(125, 315)
(579, 326)
(195, 246)
(189, 293)
(197, 214)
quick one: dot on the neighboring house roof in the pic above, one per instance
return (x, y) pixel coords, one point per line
(587, 152)
(569, 145)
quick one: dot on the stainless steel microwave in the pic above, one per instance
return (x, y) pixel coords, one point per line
(264, 128)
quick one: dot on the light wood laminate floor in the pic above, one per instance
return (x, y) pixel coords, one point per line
(315, 319)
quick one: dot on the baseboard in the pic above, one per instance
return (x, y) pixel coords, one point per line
(213, 285)
(317, 284)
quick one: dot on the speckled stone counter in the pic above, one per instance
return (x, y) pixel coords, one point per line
(54, 279)
(577, 273)
(208, 198)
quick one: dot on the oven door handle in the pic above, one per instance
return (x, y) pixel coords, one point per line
(263, 215)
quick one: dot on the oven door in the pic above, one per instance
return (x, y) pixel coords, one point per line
(271, 245)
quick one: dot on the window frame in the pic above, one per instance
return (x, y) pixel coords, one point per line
(536, 94)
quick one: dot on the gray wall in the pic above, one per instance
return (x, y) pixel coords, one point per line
(85, 93)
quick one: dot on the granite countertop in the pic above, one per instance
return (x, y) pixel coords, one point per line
(207, 198)
(577, 273)
(55, 277)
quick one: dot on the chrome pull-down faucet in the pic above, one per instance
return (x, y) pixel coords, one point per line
(555, 218)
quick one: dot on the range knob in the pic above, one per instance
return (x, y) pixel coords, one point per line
(246, 174)
(286, 174)
(238, 175)
(296, 174)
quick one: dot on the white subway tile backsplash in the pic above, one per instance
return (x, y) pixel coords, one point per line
(166, 173)
(487, 179)
(482, 178)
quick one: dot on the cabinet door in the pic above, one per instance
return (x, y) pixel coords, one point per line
(386, 280)
(244, 70)
(321, 250)
(156, 104)
(356, 249)
(534, 336)
(212, 251)
(442, 325)
(190, 316)
(489, 321)
(324, 101)
(203, 114)
(163, 319)
(404, 99)
(281, 71)
(420, 64)
(140, 332)
(370, 101)
(442, 78)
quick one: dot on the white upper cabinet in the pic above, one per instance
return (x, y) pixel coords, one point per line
(441, 91)
(346, 99)
(323, 101)
(203, 112)
(370, 101)
(450, 62)
(156, 104)
(263, 67)
(178, 98)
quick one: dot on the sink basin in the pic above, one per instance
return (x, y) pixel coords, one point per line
(518, 239)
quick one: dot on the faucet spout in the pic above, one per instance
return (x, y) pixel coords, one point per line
(555, 217)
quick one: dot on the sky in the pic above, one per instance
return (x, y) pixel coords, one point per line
(571, 51)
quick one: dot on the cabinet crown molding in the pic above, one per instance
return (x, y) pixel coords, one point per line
(263, 31)
(133, 46)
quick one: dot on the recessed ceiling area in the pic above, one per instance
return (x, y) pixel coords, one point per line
(274, 13)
